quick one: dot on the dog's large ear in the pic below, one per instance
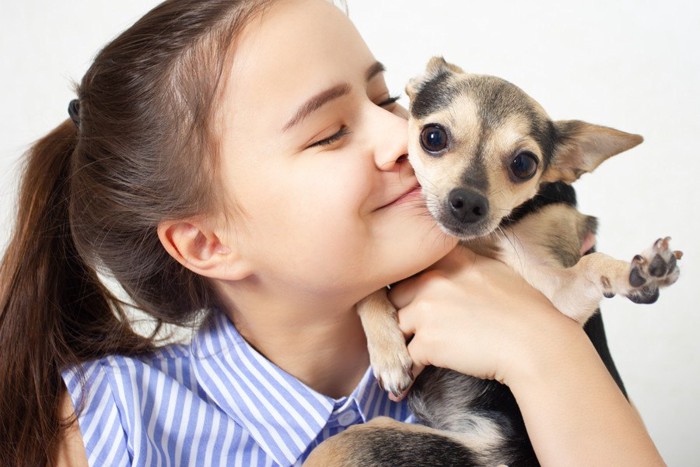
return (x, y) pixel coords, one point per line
(435, 67)
(581, 147)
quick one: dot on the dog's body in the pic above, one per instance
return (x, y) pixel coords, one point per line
(482, 151)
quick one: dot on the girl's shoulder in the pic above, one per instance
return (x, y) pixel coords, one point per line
(169, 363)
(127, 405)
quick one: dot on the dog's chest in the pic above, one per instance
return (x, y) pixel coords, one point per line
(531, 247)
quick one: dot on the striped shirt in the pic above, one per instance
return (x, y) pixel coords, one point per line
(215, 401)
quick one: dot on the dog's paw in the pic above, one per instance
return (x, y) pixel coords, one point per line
(393, 370)
(656, 267)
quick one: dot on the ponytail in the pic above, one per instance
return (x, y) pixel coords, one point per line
(54, 311)
(93, 198)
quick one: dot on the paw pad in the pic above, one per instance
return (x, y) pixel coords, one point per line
(656, 267)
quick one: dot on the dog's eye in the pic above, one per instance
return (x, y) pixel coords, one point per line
(524, 166)
(433, 138)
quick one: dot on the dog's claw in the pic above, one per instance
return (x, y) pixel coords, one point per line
(395, 380)
(607, 287)
(393, 370)
(654, 268)
(380, 382)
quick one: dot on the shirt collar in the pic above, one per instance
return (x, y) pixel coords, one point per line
(282, 414)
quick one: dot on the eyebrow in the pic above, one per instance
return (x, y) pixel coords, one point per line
(322, 98)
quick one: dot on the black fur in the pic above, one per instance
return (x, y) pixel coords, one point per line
(475, 176)
(388, 447)
(449, 401)
(558, 192)
(498, 100)
(490, 399)
(434, 95)
(394, 447)
(440, 388)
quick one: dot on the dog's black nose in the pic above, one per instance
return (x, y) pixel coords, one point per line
(467, 206)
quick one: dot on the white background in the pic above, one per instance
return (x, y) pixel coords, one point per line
(633, 65)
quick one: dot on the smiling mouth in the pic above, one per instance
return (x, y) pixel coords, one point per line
(410, 194)
(413, 192)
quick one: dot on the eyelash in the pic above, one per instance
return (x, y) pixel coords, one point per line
(389, 101)
(333, 138)
(344, 131)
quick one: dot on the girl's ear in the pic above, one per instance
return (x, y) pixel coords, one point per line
(197, 247)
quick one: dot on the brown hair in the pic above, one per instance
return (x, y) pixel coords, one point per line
(91, 199)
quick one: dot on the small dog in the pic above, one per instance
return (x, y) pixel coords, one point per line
(485, 153)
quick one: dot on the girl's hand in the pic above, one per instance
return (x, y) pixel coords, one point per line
(477, 316)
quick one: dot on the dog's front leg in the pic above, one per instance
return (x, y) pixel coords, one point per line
(388, 354)
(578, 290)
(638, 280)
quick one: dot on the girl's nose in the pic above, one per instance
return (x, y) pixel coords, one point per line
(392, 139)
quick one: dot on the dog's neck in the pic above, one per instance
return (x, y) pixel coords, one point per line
(548, 193)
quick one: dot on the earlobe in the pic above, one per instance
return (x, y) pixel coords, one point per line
(201, 250)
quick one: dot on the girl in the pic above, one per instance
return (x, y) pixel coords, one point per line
(241, 164)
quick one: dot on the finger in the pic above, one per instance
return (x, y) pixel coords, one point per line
(403, 293)
(458, 259)
(409, 315)
(407, 320)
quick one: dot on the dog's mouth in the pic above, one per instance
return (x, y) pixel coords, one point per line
(463, 214)
(466, 232)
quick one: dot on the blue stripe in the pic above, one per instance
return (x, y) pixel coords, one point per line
(216, 390)
(274, 407)
(167, 441)
(214, 402)
(181, 439)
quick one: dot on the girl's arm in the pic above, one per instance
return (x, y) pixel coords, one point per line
(477, 316)
(574, 411)
(70, 449)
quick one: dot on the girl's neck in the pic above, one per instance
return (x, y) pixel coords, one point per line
(323, 348)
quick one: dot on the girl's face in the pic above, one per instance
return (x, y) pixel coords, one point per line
(314, 160)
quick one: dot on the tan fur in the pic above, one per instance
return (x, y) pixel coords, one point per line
(590, 145)
(543, 247)
(342, 449)
(538, 245)
(531, 250)
(387, 348)
(439, 174)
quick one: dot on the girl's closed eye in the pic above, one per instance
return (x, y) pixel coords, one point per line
(343, 131)
(389, 101)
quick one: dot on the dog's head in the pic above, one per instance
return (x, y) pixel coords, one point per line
(481, 147)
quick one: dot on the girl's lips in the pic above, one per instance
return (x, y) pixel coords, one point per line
(412, 193)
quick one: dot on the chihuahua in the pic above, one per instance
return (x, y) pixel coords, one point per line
(485, 155)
